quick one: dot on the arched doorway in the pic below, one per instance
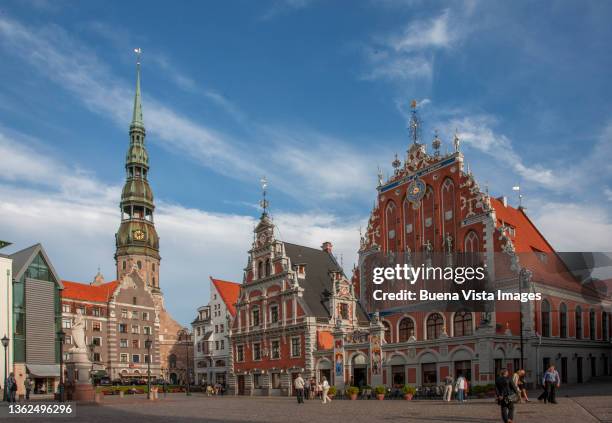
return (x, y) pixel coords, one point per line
(360, 370)
(325, 370)
(173, 379)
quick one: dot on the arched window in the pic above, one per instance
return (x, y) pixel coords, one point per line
(545, 316)
(260, 273)
(172, 361)
(471, 248)
(391, 221)
(578, 322)
(406, 329)
(409, 226)
(604, 325)
(387, 332)
(592, 324)
(429, 222)
(435, 323)
(462, 323)
(471, 244)
(563, 321)
(448, 206)
(268, 268)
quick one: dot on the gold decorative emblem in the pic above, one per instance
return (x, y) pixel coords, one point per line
(139, 235)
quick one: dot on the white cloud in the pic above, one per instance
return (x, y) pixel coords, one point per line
(432, 33)
(608, 193)
(574, 227)
(76, 223)
(51, 50)
(477, 132)
(410, 54)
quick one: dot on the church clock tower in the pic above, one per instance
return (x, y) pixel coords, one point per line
(136, 240)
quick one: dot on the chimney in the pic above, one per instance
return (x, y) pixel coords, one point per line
(504, 200)
(327, 247)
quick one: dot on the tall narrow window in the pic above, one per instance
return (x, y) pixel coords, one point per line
(592, 324)
(391, 223)
(435, 323)
(462, 323)
(563, 321)
(406, 329)
(604, 325)
(545, 316)
(578, 322)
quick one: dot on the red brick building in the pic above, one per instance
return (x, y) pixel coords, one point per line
(293, 303)
(433, 204)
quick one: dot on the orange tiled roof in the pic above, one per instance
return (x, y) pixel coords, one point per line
(527, 236)
(527, 240)
(229, 292)
(87, 292)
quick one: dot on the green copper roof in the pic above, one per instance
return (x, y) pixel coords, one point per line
(137, 115)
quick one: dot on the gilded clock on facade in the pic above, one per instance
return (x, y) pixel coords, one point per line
(139, 235)
(416, 191)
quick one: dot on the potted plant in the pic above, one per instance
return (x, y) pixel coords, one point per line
(380, 392)
(409, 392)
(352, 392)
(332, 392)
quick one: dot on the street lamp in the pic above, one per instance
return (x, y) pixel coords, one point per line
(61, 336)
(5, 344)
(524, 278)
(148, 343)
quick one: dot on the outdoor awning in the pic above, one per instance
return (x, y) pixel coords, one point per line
(44, 370)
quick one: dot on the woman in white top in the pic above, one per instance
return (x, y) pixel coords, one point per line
(325, 386)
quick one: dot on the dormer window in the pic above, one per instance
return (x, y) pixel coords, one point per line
(344, 311)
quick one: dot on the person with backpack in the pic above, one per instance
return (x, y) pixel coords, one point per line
(507, 394)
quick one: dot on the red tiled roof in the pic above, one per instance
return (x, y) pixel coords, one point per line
(527, 236)
(87, 292)
(229, 292)
(529, 240)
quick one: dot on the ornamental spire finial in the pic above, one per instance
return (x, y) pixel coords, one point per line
(415, 124)
(264, 202)
(137, 114)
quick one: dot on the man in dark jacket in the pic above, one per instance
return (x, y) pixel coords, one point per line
(507, 394)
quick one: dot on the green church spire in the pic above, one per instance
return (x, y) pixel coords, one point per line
(136, 240)
(137, 114)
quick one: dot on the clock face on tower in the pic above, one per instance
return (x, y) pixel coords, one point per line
(139, 235)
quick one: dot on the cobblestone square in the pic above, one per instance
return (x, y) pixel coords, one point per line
(586, 403)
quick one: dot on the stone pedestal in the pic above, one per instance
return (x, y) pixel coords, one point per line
(78, 368)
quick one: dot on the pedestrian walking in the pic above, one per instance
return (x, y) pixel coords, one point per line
(551, 381)
(519, 380)
(460, 387)
(11, 386)
(27, 384)
(307, 388)
(298, 384)
(448, 388)
(507, 394)
(325, 386)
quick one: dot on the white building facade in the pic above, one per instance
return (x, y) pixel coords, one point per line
(211, 334)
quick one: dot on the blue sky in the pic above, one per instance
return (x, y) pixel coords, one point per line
(312, 94)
